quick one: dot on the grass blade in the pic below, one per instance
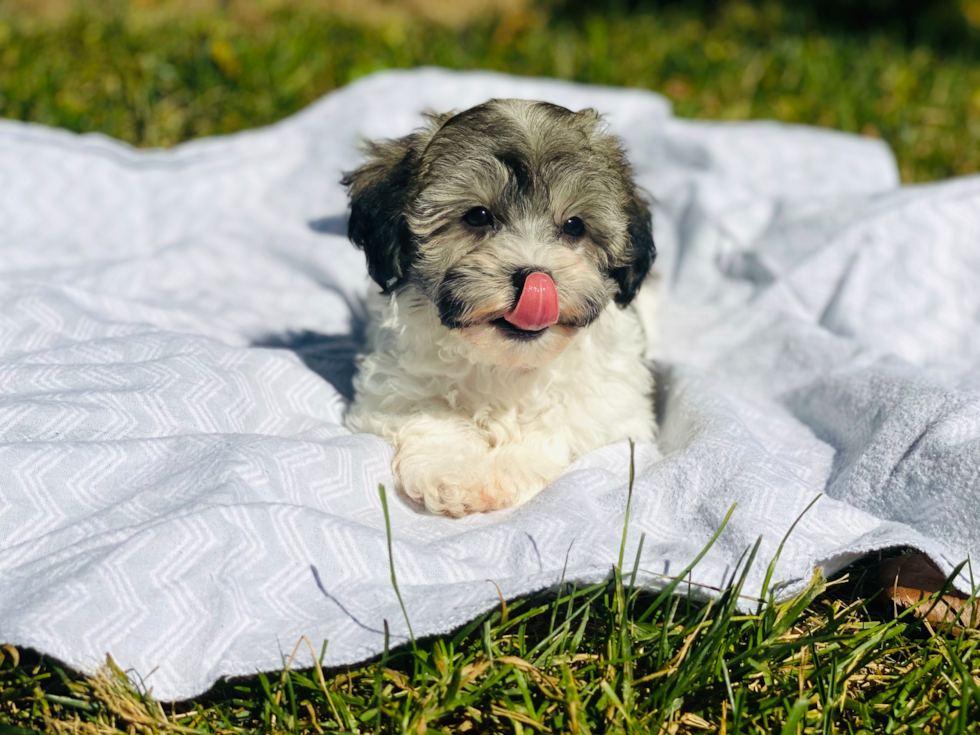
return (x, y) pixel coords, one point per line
(391, 563)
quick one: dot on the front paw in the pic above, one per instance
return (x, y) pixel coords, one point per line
(450, 483)
(464, 477)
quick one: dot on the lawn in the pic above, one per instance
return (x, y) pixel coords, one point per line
(610, 658)
(158, 82)
(603, 659)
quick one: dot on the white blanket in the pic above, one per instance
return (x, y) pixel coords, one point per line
(177, 331)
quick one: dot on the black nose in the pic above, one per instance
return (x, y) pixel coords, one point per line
(521, 275)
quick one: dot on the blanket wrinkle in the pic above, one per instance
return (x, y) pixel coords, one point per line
(178, 336)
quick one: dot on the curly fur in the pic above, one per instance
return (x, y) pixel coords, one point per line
(483, 416)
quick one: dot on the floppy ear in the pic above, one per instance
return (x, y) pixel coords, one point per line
(640, 250)
(379, 192)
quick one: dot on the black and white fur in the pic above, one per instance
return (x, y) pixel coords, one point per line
(452, 218)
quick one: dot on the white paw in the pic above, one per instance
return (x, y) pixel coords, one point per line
(467, 478)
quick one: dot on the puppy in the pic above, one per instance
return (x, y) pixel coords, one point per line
(508, 241)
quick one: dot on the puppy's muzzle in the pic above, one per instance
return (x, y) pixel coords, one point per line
(534, 306)
(537, 303)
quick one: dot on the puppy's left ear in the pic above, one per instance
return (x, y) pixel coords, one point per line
(640, 250)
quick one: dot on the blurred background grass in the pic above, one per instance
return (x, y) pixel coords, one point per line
(156, 72)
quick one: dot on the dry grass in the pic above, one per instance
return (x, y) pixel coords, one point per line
(155, 81)
(601, 659)
(611, 658)
(451, 13)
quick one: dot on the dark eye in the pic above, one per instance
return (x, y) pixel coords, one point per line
(573, 227)
(478, 217)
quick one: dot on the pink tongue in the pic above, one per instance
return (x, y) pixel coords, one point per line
(538, 306)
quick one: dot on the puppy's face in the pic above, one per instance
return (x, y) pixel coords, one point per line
(498, 212)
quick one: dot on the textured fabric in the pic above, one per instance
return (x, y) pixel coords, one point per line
(177, 332)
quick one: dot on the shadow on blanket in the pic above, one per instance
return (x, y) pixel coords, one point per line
(332, 225)
(331, 356)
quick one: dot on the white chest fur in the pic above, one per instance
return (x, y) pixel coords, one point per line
(470, 436)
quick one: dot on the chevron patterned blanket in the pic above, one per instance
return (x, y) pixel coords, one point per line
(177, 331)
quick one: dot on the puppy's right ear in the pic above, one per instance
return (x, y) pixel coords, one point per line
(379, 192)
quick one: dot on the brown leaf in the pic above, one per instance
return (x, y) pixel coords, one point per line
(911, 581)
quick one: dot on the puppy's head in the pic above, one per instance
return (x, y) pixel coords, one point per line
(519, 221)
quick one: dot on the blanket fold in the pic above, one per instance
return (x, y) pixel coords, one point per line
(177, 335)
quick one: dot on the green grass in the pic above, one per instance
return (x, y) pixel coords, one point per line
(602, 659)
(155, 84)
(608, 658)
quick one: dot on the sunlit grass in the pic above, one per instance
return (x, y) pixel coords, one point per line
(611, 658)
(605, 658)
(156, 84)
